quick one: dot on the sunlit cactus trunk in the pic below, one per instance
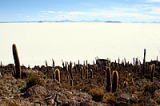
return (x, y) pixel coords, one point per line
(17, 73)
(57, 71)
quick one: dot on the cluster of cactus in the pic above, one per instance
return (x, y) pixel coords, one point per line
(17, 72)
(114, 84)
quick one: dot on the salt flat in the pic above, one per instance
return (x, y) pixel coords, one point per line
(37, 42)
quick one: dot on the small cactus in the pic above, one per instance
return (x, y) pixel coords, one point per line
(70, 70)
(115, 77)
(71, 82)
(91, 72)
(17, 73)
(86, 73)
(57, 71)
(46, 63)
(125, 84)
(1, 64)
(53, 63)
(81, 69)
(108, 79)
(152, 68)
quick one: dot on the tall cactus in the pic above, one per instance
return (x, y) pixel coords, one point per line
(115, 77)
(17, 73)
(144, 63)
(57, 71)
(108, 79)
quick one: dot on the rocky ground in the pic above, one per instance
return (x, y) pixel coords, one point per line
(36, 88)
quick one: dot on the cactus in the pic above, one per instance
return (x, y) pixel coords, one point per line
(86, 73)
(70, 70)
(53, 73)
(57, 71)
(91, 72)
(125, 83)
(152, 68)
(71, 82)
(1, 64)
(115, 81)
(144, 62)
(46, 63)
(81, 69)
(17, 73)
(53, 63)
(108, 79)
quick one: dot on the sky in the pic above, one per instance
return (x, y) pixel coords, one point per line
(80, 10)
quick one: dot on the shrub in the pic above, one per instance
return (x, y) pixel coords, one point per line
(111, 100)
(34, 80)
(97, 95)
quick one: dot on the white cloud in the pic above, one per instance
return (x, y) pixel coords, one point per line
(155, 11)
(138, 13)
(153, 0)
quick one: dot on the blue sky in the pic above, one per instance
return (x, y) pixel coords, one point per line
(76, 10)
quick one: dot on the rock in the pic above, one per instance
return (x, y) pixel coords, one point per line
(157, 93)
(36, 90)
(134, 98)
(125, 98)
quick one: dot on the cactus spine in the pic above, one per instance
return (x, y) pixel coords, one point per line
(108, 79)
(17, 73)
(114, 81)
(57, 71)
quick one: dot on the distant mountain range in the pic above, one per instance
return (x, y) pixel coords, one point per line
(61, 21)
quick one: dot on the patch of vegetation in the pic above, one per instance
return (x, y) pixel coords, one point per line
(34, 80)
(97, 94)
(138, 104)
(111, 99)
